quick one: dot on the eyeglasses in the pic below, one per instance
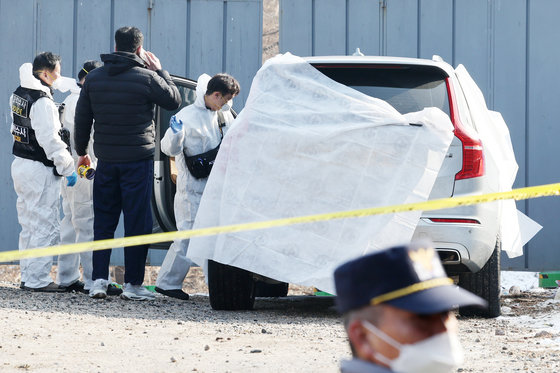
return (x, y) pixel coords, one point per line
(225, 101)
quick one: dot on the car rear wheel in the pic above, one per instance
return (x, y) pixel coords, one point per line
(230, 288)
(486, 284)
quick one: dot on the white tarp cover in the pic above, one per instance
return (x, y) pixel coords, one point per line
(305, 144)
(516, 228)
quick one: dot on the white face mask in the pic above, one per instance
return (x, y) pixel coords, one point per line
(64, 84)
(226, 107)
(439, 353)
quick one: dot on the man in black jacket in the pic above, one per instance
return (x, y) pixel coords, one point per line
(120, 97)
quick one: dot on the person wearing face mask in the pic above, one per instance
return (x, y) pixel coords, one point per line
(193, 138)
(398, 311)
(41, 161)
(77, 202)
(118, 101)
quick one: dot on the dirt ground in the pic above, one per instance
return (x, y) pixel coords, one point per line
(70, 332)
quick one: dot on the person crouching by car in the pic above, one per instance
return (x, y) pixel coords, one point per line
(193, 138)
(397, 306)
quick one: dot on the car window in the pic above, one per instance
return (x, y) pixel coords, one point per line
(188, 95)
(406, 88)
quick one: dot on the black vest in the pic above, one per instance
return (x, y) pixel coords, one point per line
(25, 142)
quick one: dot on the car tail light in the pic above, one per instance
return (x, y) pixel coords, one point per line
(473, 157)
(453, 220)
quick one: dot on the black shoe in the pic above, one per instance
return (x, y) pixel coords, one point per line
(112, 290)
(77, 286)
(50, 288)
(174, 293)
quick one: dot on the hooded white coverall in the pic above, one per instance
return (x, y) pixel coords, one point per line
(200, 134)
(77, 206)
(37, 188)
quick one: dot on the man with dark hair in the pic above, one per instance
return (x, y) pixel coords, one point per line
(120, 97)
(41, 159)
(128, 39)
(397, 306)
(193, 138)
(77, 204)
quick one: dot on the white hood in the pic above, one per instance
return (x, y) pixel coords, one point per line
(27, 80)
(201, 86)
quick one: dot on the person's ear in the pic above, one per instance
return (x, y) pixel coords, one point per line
(359, 338)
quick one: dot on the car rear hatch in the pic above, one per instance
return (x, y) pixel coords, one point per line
(408, 88)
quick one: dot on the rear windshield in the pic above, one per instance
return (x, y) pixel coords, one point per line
(407, 88)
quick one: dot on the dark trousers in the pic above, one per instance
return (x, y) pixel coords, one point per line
(125, 187)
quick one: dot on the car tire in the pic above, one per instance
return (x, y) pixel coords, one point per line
(486, 284)
(230, 288)
(265, 289)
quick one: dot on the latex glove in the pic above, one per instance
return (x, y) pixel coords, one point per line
(72, 179)
(176, 125)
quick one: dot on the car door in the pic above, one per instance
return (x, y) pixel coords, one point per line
(164, 187)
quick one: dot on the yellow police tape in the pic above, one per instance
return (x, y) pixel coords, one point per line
(517, 194)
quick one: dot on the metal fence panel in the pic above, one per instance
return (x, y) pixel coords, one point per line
(92, 35)
(329, 27)
(471, 44)
(188, 36)
(168, 37)
(363, 26)
(508, 46)
(510, 76)
(17, 44)
(206, 34)
(543, 131)
(242, 18)
(435, 29)
(297, 35)
(402, 28)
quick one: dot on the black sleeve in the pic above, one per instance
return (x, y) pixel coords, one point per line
(164, 92)
(83, 120)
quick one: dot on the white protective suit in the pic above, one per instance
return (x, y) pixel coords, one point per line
(37, 188)
(77, 206)
(200, 134)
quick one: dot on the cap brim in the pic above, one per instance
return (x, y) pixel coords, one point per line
(438, 299)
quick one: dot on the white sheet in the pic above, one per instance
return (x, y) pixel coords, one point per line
(303, 145)
(515, 227)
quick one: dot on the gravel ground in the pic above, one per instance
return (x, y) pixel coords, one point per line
(71, 332)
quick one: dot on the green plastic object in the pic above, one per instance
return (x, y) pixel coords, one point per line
(548, 280)
(151, 288)
(319, 293)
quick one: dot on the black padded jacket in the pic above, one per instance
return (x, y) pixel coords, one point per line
(120, 97)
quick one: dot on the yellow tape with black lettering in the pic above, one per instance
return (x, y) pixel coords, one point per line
(517, 194)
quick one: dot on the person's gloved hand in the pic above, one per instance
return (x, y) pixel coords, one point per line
(176, 125)
(72, 179)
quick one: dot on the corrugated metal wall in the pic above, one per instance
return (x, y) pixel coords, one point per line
(510, 47)
(188, 36)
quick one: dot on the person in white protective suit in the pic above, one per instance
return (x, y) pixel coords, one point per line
(194, 133)
(77, 203)
(42, 158)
